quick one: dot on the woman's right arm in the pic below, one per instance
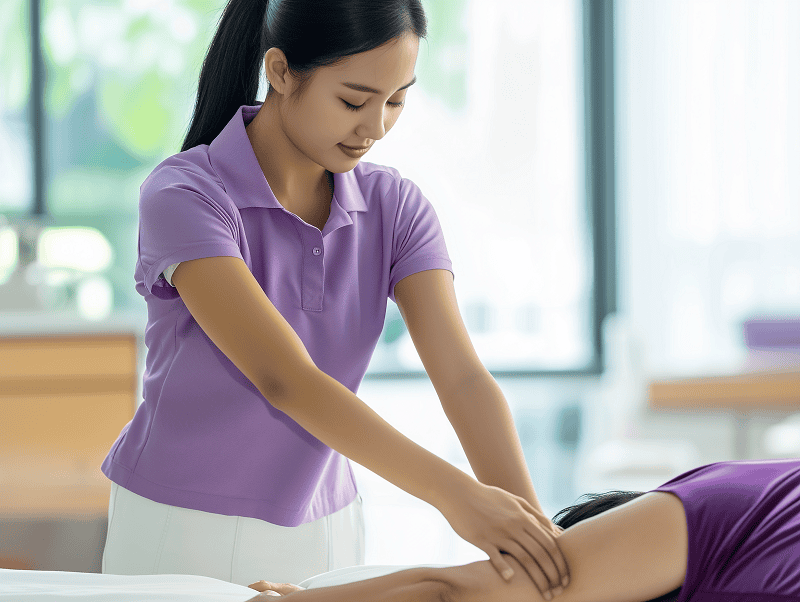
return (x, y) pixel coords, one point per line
(230, 306)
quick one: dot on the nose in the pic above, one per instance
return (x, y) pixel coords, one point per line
(374, 124)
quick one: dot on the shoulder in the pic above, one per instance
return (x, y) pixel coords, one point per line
(372, 171)
(397, 195)
(187, 171)
(188, 168)
(636, 551)
(384, 181)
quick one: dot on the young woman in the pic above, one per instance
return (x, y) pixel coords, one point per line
(722, 532)
(267, 252)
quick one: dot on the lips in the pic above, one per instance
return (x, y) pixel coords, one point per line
(356, 148)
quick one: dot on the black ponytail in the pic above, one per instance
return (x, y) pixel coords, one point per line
(311, 33)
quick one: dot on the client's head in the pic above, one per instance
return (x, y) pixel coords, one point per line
(597, 504)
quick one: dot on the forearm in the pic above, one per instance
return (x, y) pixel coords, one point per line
(411, 585)
(485, 427)
(334, 415)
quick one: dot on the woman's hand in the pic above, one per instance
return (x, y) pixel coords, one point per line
(275, 589)
(497, 521)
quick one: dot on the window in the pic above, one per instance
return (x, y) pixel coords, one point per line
(16, 170)
(501, 101)
(709, 185)
(120, 84)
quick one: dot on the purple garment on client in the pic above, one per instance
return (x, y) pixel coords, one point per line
(743, 521)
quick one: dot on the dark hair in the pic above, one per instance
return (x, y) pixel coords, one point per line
(311, 33)
(597, 504)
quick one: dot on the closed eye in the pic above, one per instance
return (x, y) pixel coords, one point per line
(356, 108)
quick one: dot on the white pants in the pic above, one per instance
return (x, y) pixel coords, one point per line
(149, 538)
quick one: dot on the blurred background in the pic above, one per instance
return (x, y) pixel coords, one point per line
(614, 183)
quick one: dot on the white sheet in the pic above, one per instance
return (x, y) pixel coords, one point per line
(60, 586)
(65, 586)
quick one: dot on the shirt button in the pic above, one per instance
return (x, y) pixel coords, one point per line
(317, 251)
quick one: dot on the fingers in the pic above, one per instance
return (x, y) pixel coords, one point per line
(260, 586)
(531, 510)
(531, 565)
(537, 531)
(541, 548)
(541, 518)
(499, 563)
(267, 587)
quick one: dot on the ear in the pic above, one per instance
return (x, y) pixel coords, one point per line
(276, 68)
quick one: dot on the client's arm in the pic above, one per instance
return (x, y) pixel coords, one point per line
(631, 553)
(411, 585)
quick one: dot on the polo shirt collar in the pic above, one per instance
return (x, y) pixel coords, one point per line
(234, 161)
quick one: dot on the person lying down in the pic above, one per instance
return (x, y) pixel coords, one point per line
(721, 531)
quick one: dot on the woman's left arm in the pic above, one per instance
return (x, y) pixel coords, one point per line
(481, 418)
(470, 397)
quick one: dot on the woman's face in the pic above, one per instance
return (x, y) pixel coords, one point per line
(322, 120)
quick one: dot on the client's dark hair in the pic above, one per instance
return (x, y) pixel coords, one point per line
(597, 504)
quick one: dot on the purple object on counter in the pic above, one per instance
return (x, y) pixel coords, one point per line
(759, 334)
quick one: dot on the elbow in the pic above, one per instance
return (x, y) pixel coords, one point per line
(280, 390)
(274, 391)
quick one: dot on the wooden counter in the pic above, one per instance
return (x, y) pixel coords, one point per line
(739, 395)
(63, 401)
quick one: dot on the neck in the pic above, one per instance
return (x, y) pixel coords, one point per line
(294, 179)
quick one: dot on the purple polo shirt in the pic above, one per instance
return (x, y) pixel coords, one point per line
(743, 521)
(204, 437)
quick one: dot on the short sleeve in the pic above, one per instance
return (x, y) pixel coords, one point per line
(724, 504)
(179, 221)
(418, 243)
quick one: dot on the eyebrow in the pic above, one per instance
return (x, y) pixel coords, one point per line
(361, 88)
